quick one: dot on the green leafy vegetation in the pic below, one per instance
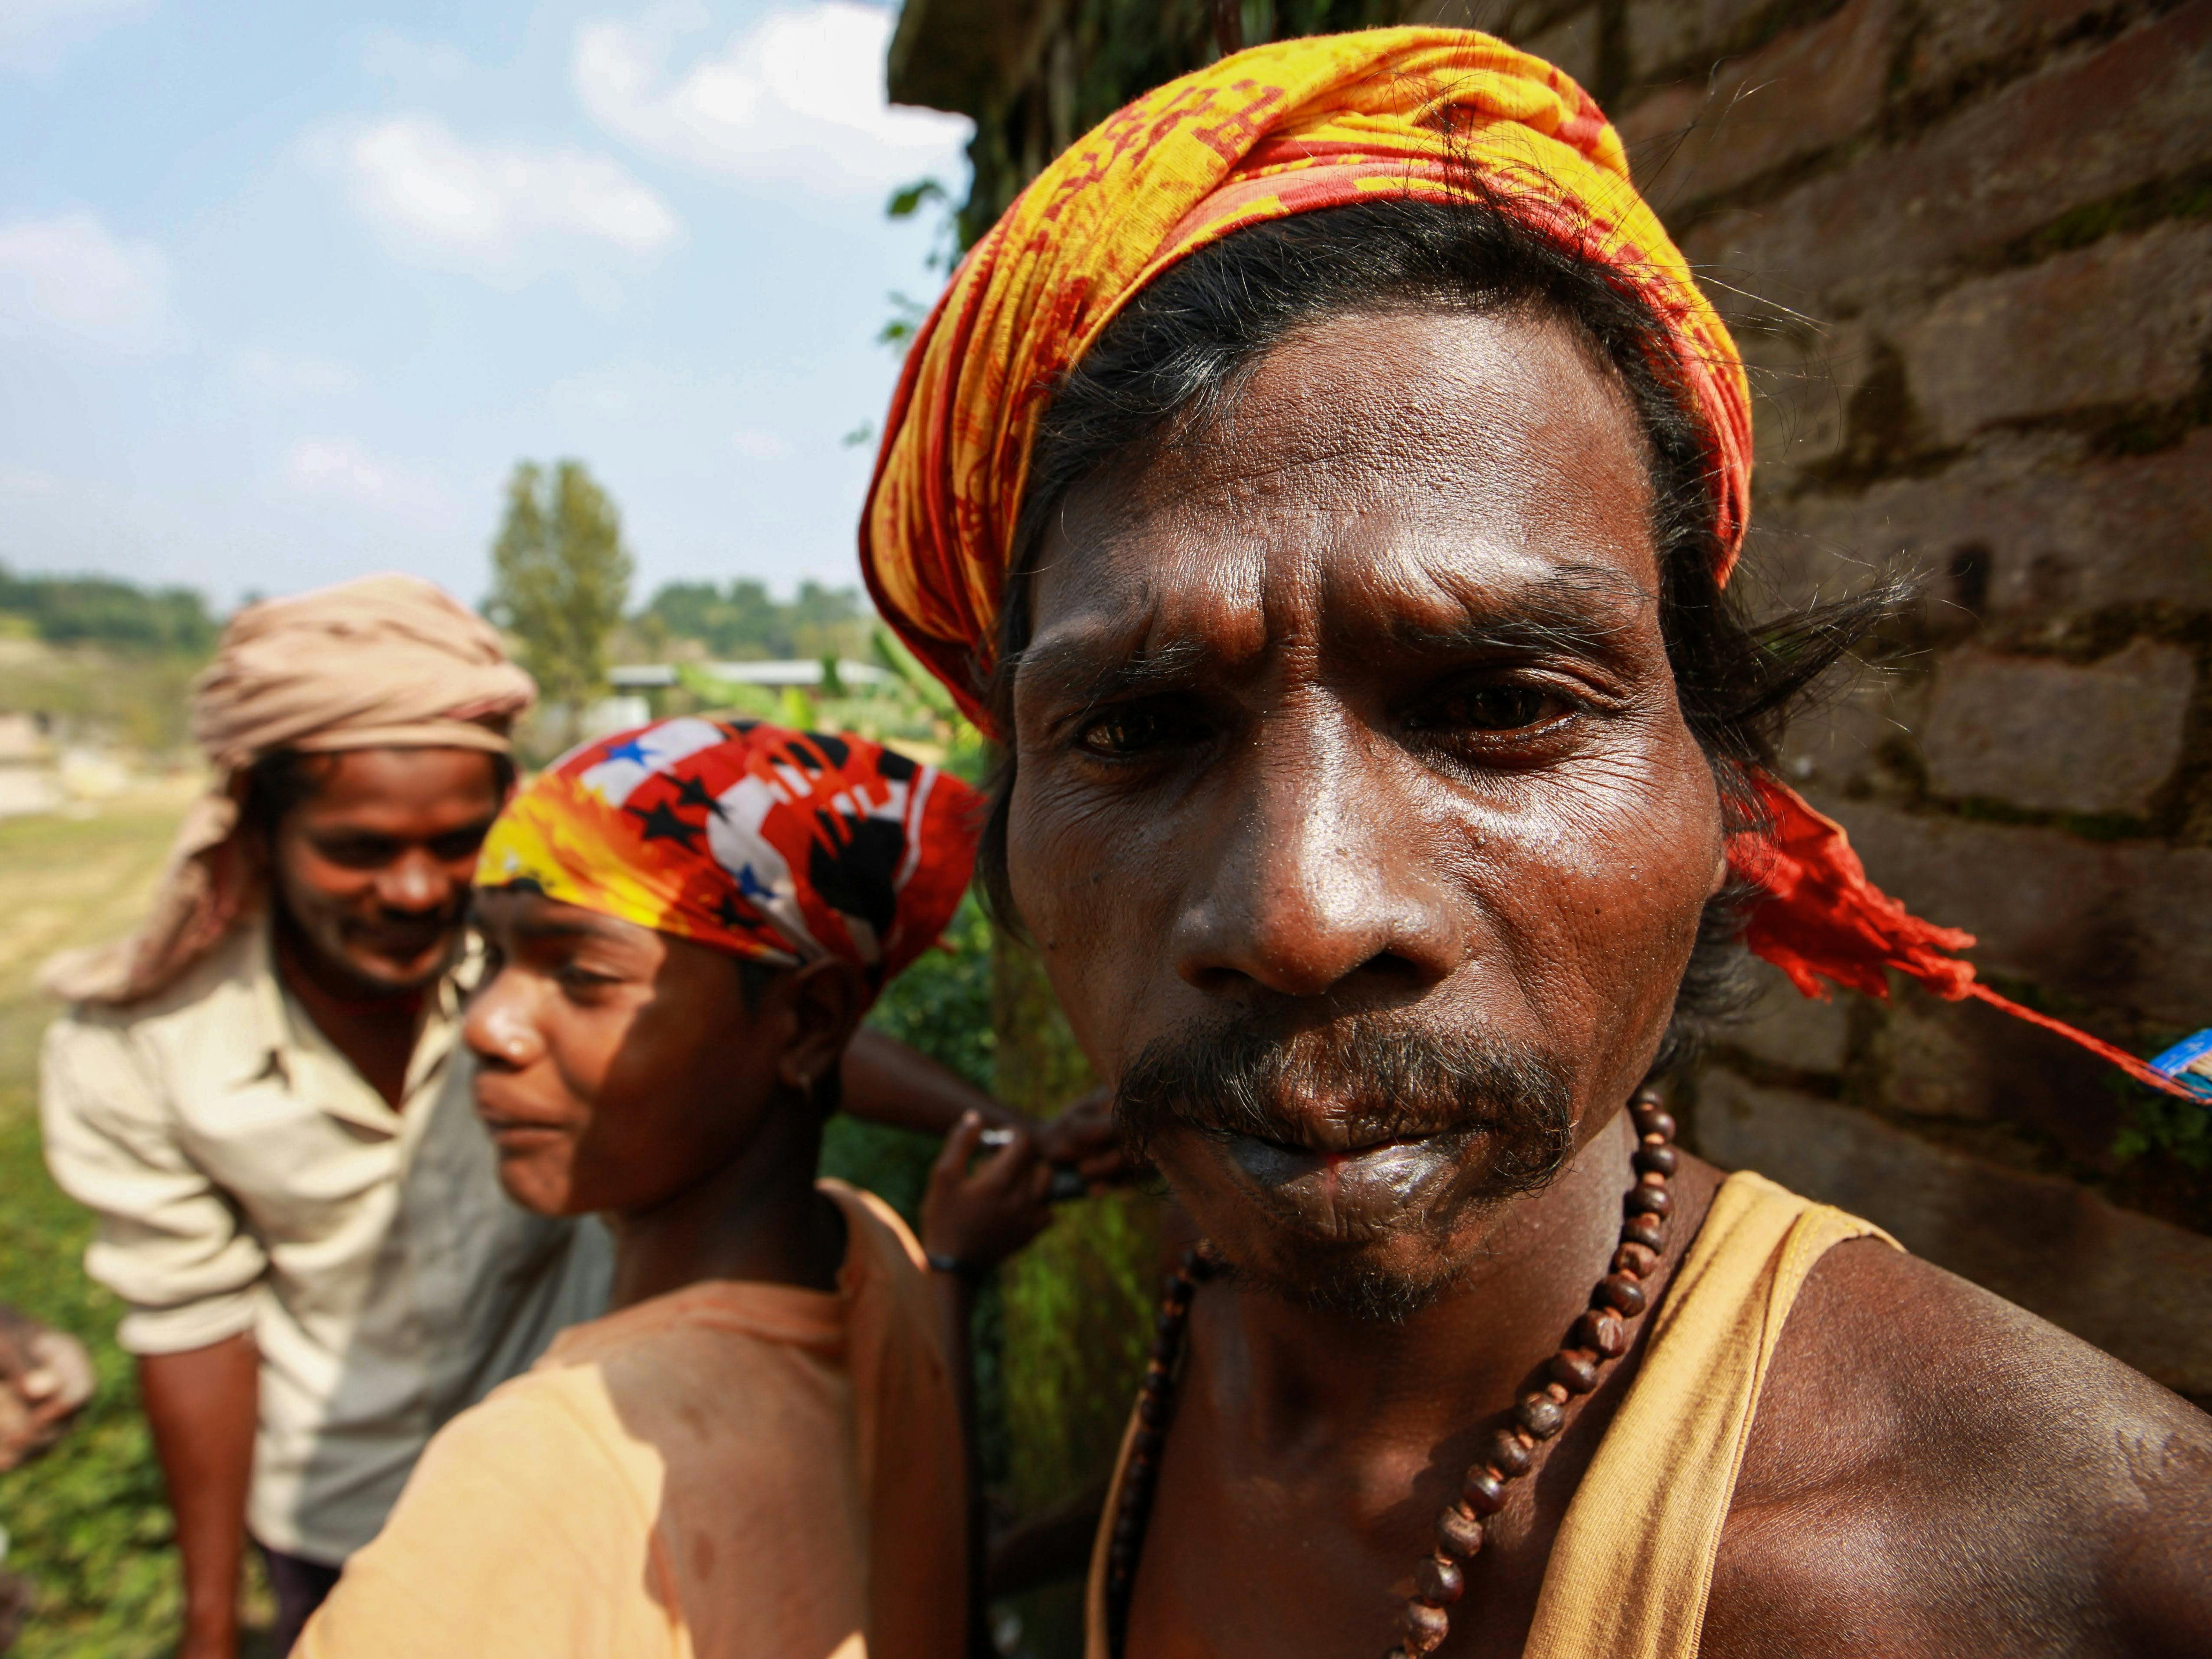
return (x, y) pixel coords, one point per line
(743, 622)
(99, 610)
(560, 578)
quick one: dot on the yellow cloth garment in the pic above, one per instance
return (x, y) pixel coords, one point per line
(1634, 1561)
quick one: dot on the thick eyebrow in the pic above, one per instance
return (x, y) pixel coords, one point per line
(1583, 611)
(1071, 669)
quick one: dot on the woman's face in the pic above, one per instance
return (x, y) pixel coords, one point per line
(618, 1066)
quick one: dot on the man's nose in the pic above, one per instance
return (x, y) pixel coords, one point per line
(415, 882)
(1321, 869)
(499, 1029)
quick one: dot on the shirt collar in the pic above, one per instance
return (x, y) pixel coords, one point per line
(280, 1040)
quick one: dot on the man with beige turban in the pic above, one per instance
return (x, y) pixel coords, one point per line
(262, 1095)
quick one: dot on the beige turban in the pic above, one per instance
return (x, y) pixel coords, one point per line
(386, 662)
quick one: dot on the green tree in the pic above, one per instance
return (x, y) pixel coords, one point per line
(560, 579)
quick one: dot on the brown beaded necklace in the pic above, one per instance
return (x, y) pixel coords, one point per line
(1600, 1337)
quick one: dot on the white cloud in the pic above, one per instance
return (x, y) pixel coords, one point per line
(36, 35)
(501, 212)
(69, 279)
(345, 472)
(796, 97)
(294, 374)
(757, 444)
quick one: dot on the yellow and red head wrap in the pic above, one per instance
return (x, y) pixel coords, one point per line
(1296, 127)
(785, 847)
(1275, 131)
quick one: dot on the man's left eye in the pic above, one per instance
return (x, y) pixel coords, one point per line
(1491, 708)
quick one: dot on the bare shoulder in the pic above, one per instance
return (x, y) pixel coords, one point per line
(1936, 1471)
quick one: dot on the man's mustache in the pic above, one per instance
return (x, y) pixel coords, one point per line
(1357, 1081)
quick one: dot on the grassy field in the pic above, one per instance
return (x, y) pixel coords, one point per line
(87, 1523)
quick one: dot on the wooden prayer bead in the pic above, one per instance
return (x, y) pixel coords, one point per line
(1649, 1200)
(1425, 1627)
(1577, 1368)
(1438, 1582)
(1658, 1160)
(1648, 1230)
(1638, 1259)
(1483, 1491)
(1602, 1328)
(1655, 1122)
(1510, 1455)
(1459, 1532)
(1541, 1415)
(1145, 1443)
(1623, 1291)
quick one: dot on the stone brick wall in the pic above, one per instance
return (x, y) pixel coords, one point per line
(1968, 245)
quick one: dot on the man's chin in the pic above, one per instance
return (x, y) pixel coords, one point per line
(1367, 1283)
(404, 976)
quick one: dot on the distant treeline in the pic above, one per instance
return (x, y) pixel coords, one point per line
(742, 622)
(99, 610)
(737, 621)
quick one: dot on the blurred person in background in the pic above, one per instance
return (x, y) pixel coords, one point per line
(261, 1095)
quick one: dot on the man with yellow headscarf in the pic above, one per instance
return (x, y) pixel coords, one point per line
(1324, 480)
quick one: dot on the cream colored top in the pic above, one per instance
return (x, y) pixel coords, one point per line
(247, 1178)
(1633, 1564)
(731, 1471)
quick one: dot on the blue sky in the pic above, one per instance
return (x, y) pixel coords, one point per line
(286, 290)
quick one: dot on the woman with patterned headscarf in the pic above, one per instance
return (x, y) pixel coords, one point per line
(759, 1450)
(1325, 480)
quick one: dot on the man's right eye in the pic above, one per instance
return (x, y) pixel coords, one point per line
(1126, 733)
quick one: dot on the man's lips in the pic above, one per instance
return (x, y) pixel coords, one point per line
(1352, 1188)
(406, 939)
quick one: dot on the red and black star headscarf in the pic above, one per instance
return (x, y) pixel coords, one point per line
(786, 847)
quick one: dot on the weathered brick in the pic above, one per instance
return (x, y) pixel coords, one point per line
(1928, 1062)
(1839, 743)
(1802, 386)
(2125, 924)
(2086, 129)
(2060, 533)
(2121, 322)
(1968, 1061)
(1571, 43)
(1666, 35)
(2138, 1288)
(1783, 1027)
(1810, 88)
(1960, 35)
(2059, 737)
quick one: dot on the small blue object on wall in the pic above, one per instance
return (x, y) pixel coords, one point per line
(2188, 1063)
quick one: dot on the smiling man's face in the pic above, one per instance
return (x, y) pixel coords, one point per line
(1355, 815)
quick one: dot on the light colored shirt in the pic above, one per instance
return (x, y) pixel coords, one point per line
(731, 1471)
(247, 1178)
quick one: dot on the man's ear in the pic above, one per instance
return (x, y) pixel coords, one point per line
(825, 1001)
